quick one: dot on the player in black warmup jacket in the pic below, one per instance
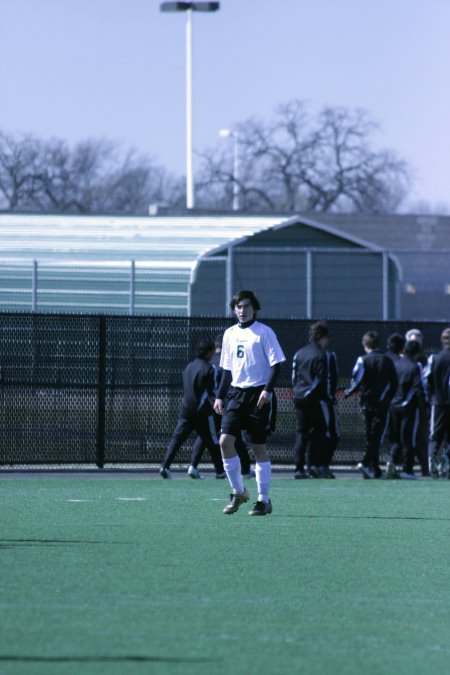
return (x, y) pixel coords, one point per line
(196, 412)
(437, 374)
(310, 382)
(407, 406)
(375, 377)
(200, 445)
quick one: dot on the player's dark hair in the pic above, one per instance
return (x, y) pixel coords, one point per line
(412, 349)
(245, 295)
(395, 343)
(371, 339)
(203, 348)
(318, 331)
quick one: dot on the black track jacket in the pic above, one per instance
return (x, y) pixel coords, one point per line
(375, 376)
(310, 374)
(437, 375)
(410, 391)
(198, 384)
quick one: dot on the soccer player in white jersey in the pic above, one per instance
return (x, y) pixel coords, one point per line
(250, 359)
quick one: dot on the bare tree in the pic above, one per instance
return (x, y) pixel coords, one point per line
(299, 163)
(95, 176)
(20, 171)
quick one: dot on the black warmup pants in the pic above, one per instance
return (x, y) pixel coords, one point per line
(439, 428)
(404, 427)
(311, 438)
(202, 422)
(334, 433)
(375, 422)
(240, 445)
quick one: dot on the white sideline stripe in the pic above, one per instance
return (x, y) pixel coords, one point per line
(131, 499)
(79, 500)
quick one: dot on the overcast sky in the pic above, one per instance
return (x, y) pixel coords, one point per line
(77, 69)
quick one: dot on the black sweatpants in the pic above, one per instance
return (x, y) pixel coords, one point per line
(375, 422)
(311, 441)
(202, 422)
(439, 428)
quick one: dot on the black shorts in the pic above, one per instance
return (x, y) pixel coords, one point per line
(242, 413)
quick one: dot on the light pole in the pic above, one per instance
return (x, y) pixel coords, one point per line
(188, 8)
(229, 133)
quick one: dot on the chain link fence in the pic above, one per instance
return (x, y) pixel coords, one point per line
(97, 390)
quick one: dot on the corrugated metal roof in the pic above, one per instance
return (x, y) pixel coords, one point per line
(84, 262)
(149, 239)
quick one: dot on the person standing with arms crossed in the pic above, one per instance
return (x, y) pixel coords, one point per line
(250, 359)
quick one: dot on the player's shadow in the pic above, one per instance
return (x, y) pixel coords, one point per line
(16, 543)
(100, 659)
(328, 517)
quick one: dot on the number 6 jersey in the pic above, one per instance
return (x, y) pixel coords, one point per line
(249, 353)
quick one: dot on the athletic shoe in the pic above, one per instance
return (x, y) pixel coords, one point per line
(165, 473)
(250, 474)
(261, 509)
(300, 475)
(377, 472)
(443, 467)
(220, 476)
(391, 471)
(325, 472)
(434, 473)
(236, 500)
(313, 472)
(366, 472)
(193, 472)
(406, 475)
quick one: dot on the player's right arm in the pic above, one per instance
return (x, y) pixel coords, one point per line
(222, 391)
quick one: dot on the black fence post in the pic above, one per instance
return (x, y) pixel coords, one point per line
(101, 402)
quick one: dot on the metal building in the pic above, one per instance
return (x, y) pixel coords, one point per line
(300, 268)
(186, 265)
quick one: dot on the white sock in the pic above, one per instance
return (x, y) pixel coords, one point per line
(263, 472)
(232, 467)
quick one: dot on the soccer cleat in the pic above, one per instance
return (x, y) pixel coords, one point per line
(220, 476)
(366, 472)
(261, 509)
(301, 475)
(313, 472)
(443, 467)
(193, 472)
(391, 471)
(236, 500)
(325, 472)
(434, 473)
(408, 475)
(377, 472)
(165, 473)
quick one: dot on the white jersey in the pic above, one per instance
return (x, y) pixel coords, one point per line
(250, 353)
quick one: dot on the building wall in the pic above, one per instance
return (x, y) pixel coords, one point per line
(334, 283)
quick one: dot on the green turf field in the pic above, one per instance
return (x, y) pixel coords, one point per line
(135, 575)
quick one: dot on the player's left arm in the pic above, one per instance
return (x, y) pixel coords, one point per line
(275, 357)
(266, 393)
